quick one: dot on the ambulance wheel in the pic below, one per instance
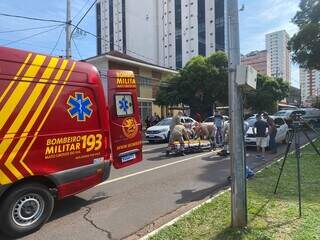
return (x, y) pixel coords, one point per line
(25, 209)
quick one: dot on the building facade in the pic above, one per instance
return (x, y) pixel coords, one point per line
(164, 32)
(309, 85)
(148, 78)
(259, 60)
(276, 44)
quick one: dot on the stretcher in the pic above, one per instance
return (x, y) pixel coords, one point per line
(190, 146)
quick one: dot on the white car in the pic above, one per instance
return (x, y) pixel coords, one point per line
(161, 131)
(210, 120)
(282, 131)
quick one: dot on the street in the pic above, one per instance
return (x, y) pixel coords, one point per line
(138, 199)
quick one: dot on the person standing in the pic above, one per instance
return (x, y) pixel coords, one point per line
(260, 131)
(218, 122)
(179, 133)
(272, 131)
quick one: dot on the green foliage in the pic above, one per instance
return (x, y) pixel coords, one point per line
(306, 43)
(200, 84)
(269, 91)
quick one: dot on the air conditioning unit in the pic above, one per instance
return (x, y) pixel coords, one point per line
(246, 77)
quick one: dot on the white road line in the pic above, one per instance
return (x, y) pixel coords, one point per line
(153, 169)
(151, 149)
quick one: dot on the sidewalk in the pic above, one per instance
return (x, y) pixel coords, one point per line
(270, 216)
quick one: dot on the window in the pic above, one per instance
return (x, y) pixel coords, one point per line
(124, 105)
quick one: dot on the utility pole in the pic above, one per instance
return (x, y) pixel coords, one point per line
(68, 30)
(238, 165)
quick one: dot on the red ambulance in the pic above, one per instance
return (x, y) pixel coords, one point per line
(59, 133)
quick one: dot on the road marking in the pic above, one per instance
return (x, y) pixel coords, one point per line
(151, 149)
(153, 169)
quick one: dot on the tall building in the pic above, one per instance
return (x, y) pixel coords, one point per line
(309, 85)
(164, 32)
(259, 60)
(276, 44)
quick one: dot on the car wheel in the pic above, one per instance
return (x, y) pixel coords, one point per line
(25, 209)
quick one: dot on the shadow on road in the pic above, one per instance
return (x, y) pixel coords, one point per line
(69, 206)
(74, 204)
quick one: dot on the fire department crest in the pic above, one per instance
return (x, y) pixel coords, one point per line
(79, 107)
(129, 127)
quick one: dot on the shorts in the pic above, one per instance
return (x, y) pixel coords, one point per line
(262, 142)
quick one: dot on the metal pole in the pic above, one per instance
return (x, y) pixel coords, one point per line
(238, 173)
(68, 30)
(298, 156)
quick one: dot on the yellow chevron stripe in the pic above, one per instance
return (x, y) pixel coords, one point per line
(20, 90)
(40, 108)
(15, 78)
(4, 179)
(22, 115)
(46, 116)
(14, 99)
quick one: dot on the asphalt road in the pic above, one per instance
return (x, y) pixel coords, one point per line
(137, 199)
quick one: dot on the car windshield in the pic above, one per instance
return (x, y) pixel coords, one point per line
(251, 121)
(164, 122)
(282, 113)
(210, 119)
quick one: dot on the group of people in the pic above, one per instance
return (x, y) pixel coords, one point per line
(214, 133)
(152, 120)
(265, 130)
(218, 134)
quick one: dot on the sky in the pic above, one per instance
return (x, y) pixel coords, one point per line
(258, 18)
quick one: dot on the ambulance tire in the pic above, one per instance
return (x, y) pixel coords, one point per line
(25, 209)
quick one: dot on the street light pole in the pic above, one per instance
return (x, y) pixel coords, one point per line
(68, 30)
(238, 173)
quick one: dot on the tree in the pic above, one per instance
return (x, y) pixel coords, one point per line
(305, 44)
(200, 84)
(269, 91)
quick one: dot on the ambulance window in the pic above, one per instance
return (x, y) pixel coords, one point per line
(124, 105)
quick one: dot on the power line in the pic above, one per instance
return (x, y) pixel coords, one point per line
(32, 18)
(28, 29)
(31, 36)
(84, 15)
(94, 35)
(81, 10)
(74, 42)
(56, 44)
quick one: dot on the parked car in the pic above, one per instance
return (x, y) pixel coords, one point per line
(161, 131)
(210, 120)
(287, 114)
(282, 131)
(311, 115)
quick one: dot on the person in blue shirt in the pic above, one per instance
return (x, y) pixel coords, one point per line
(218, 122)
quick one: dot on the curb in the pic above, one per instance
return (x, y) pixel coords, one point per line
(173, 221)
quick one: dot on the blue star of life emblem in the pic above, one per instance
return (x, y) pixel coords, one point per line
(80, 107)
(124, 105)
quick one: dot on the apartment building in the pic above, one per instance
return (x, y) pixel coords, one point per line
(259, 60)
(164, 32)
(276, 44)
(309, 85)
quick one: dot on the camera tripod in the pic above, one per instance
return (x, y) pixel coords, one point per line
(297, 127)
